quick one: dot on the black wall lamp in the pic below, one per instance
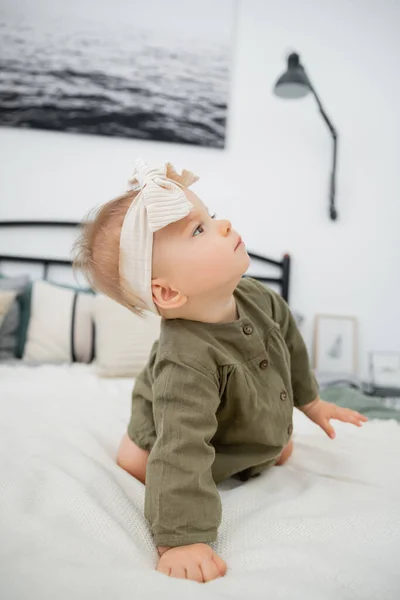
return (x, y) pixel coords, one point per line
(294, 83)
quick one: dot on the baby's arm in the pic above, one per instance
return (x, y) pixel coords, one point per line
(305, 387)
(182, 503)
(141, 429)
(322, 412)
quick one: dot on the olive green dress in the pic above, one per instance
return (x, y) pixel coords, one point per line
(216, 400)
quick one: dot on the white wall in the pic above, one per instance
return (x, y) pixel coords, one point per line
(272, 179)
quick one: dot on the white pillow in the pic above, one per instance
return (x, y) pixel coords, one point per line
(60, 325)
(7, 297)
(123, 340)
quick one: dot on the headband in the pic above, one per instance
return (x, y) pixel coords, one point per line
(160, 202)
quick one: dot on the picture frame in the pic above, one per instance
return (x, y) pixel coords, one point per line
(335, 344)
(157, 71)
(384, 369)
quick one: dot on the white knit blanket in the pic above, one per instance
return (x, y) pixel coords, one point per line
(324, 526)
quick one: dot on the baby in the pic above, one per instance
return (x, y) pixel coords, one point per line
(216, 398)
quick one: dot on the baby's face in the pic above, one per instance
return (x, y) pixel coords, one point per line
(199, 253)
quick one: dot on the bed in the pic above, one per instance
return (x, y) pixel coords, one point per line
(325, 525)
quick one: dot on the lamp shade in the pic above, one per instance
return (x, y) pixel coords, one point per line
(294, 82)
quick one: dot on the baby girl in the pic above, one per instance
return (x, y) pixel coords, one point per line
(216, 398)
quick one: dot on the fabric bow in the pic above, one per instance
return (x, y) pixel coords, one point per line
(162, 193)
(160, 202)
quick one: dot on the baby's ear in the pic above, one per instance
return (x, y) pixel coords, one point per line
(166, 297)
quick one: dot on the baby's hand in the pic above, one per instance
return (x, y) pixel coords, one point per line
(197, 562)
(321, 412)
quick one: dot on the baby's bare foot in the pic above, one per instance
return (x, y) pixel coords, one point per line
(197, 562)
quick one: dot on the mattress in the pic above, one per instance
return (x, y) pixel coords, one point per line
(324, 525)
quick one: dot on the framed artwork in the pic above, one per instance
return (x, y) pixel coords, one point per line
(150, 70)
(384, 368)
(335, 344)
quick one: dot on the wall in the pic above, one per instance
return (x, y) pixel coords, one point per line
(272, 179)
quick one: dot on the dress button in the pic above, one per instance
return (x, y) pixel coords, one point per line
(263, 364)
(248, 329)
(283, 395)
(290, 429)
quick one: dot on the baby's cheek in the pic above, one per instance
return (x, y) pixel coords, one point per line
(202, 270)
(190, 267)
(212, 259)
(201, 266)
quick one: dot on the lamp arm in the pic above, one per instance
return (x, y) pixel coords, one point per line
(332, 209)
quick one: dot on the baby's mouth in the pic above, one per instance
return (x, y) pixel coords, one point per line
(239, 242)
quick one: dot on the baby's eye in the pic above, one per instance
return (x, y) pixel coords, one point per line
(198, 230)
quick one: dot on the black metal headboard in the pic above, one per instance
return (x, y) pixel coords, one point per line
(282, 280)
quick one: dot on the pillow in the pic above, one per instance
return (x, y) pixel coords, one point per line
(14, 283)
(6, 341)
(123, 340)
(6, 299)
(60, 325)
(10, 327)
(9, 331)
(24, 303)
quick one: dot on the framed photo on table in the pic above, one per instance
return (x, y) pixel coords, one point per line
(384, 368)
(335, 344)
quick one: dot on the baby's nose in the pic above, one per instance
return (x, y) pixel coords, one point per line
(225, 226)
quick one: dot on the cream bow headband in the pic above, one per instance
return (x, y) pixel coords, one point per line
(161, 201)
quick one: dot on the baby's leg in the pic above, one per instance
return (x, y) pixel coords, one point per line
(132, 459)
(286, 454)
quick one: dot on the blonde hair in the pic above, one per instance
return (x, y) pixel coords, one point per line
(96, 251)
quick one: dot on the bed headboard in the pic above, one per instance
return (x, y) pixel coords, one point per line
(282, 279)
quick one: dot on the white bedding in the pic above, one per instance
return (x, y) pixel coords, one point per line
(324, 526)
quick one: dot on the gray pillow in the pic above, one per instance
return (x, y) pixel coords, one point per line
(14, 283)
(10, 325)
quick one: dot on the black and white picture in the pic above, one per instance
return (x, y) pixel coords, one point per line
(335, 344)
(153, 70)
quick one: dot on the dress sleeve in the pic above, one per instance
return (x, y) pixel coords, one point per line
(182, 504)
(305, 386)
(141, 428)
